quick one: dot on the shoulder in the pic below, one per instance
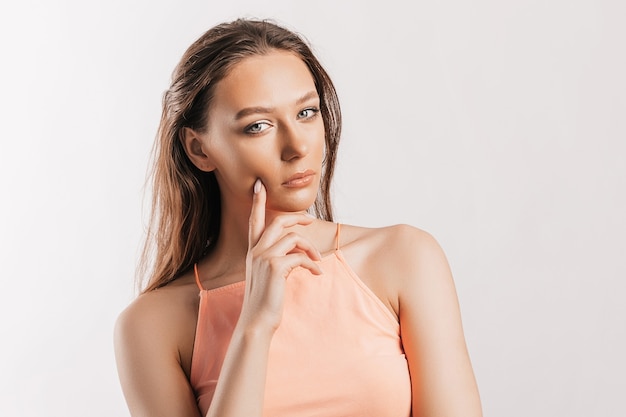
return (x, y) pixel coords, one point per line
(153, 344)
(398, 243)
(416, 269)
(395, 261)
(161, 321)
(156, 307)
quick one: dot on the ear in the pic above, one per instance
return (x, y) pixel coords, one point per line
(195, 149)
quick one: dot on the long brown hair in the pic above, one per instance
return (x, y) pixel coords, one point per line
(185, 214)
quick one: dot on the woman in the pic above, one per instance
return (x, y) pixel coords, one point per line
(296, 315)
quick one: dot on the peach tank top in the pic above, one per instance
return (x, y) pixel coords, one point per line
(337, 351)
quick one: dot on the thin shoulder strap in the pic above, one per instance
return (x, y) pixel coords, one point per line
(195, 270)
(337, 235)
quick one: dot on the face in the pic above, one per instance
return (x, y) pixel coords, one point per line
(264, 122)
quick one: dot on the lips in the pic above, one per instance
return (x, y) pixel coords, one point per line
(300, 179)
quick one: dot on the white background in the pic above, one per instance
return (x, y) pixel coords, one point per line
(497, 126)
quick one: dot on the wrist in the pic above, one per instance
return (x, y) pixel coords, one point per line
(254, 331)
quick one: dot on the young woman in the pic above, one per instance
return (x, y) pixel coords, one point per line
(254, 306)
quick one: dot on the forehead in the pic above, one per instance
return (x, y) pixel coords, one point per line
(274, 79)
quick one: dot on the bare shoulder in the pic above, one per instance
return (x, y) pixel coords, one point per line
(393, 260)
(161, 321)
(153, 346)
(400, 243)
(157, 307)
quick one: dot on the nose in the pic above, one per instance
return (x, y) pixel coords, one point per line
(294, 143)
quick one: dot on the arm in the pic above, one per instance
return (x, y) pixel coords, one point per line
(148, 364)
(442, 378)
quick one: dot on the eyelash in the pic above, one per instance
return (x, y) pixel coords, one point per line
(249, 129)
(315, 111)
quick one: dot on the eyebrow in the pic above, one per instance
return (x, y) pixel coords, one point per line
(260, 109)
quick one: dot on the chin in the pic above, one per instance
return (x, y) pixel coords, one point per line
(292, 204)
(290, 208)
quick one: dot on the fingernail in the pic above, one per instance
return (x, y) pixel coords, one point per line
(257, 186)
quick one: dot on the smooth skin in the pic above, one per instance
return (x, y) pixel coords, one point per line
(264, 127)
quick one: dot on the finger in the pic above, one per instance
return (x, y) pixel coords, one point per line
(256, 224)
(294, 243)
(290, 262)
(276, 228)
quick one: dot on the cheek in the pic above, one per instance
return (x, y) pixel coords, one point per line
(244, 165)
(321, 150)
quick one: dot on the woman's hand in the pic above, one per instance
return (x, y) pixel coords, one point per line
(271, 256)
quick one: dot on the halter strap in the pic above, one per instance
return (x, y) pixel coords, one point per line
(337, 235)
(195, 270)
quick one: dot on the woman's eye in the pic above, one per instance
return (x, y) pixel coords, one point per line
(308, 113)
(257, 127)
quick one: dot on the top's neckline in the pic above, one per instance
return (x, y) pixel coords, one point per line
(333, 254)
